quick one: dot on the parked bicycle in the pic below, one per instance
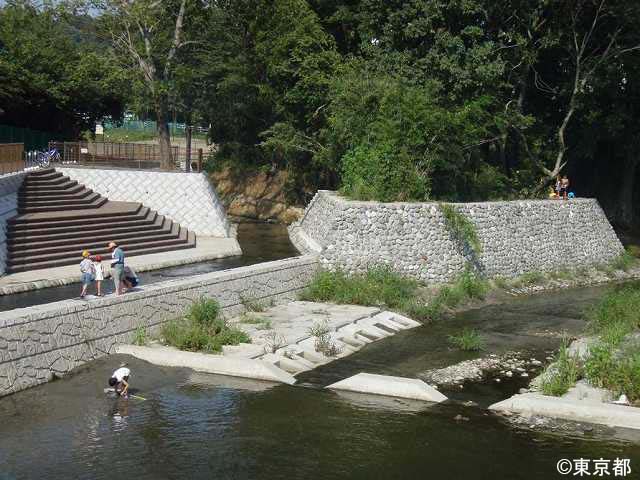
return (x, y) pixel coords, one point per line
(44, 159)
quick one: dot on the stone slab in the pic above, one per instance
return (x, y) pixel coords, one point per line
(208, 363)
(390, 386)
(530, 404)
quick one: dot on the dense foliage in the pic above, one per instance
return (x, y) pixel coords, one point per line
(456, 100)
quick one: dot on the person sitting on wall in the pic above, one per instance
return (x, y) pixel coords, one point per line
(117, 266)
(119, 380)
(564, 187)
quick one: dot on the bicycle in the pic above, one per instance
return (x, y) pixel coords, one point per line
(44, 159)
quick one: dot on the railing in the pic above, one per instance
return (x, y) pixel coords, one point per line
(123, 155)
(11, 157)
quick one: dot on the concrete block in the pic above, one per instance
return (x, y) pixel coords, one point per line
(529, 404)
(390, 386)
(207, 363)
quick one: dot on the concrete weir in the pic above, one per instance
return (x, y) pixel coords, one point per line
(386, 385)
(287, 348)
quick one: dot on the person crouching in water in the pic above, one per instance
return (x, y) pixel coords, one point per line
(120, 380)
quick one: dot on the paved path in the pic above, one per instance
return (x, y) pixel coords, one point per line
(208, 248)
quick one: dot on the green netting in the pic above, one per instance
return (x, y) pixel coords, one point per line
(32, 139)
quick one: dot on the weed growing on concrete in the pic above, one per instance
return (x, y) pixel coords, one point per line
(274, 341)
(468, 340)
(261, 323)
(562, 374)
(252, 304)
(140, 336)
(462, 229)
(323, 342)
(202, 329)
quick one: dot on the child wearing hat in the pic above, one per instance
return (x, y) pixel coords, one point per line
(99, 274)
(86, 272)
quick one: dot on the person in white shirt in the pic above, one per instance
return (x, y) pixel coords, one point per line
(120, 380)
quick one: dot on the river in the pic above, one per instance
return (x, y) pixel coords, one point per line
(200, 426)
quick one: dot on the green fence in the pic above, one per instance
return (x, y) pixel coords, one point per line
(32, 139)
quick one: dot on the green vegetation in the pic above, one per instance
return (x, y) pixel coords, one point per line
(384, 100)
(462, 229)
(379, 286)
(614, 361)
(624, 261)
(140, 336)
(468, 340)
(382, 287)
(202, 329)
(562, 374)
(261, 323)
(531, 278)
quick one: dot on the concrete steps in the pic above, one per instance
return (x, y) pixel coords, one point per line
(58, 218)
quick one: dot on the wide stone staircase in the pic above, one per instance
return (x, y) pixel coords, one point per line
(58, 218)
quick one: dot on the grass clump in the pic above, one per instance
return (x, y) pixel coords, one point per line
(252, 304)
(462, 229)
(468, 340)
(531, 278)
(613, 363)
(140, 336)
(378, 286)
(561, 375)
(202, 329)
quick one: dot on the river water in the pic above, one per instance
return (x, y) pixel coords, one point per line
(200, 426)
(260, 242)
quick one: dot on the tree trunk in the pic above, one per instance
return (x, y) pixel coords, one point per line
(164, 138)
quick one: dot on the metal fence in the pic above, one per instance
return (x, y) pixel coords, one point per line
(11, 157)
(151, 126)
(123, 155)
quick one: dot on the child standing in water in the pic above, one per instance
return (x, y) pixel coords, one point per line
(99, 274)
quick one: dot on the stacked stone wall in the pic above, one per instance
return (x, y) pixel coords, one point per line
(414, 239)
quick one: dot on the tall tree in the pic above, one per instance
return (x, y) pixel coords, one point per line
(151, 36)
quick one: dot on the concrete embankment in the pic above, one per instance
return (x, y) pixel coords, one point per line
(40, 342)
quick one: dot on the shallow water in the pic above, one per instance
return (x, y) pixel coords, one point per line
(200, 426)
(260, 242)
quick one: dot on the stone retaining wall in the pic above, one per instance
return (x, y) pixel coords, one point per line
(40, 342)
(187, 198)
(413, 238)
(9, 186)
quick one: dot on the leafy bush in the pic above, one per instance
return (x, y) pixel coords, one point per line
(140, 336)
(462, 229)
(382, 173)
(202, 329)
(468, 340)
(531, 278)
(616, 314)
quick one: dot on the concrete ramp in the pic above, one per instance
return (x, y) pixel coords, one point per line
(209, 363)
(389, 386)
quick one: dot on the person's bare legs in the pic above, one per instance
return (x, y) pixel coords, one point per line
(84, 290)
(99, 288)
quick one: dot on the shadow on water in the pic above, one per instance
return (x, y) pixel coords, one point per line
(199, 426)
(260, 242)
